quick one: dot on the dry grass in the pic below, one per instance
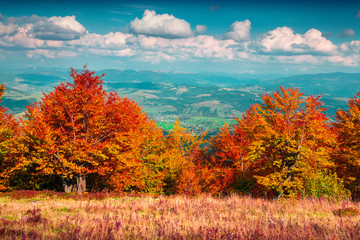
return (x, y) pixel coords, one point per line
(176, 217)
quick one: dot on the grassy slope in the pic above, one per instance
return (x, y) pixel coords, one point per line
(175, 217)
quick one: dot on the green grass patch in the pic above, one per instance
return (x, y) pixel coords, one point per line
(166, 126)
(211, 122)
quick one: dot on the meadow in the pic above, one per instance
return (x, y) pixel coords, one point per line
(51, 215)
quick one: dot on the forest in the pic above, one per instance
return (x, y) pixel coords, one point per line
(81, 138)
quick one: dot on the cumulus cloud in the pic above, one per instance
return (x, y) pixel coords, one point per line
(282, 40)
(57, 28)
(298, 59)
(162, 37)
(7, 29)
(24, 20)
(108, 52)
(20, 40)
(111, 40)
(161, 25)
(351, 47)
(201, 46)
(40, 53)
(239, 31)
(156, 57)
(200, 29)
(347, 61)
(347, 33)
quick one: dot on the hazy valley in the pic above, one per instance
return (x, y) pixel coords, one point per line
(202, 101)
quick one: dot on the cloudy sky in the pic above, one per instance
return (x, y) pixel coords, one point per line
(286, 37)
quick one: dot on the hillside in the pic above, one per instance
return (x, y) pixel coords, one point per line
(202, 102)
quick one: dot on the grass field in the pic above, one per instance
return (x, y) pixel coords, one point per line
(47, 215)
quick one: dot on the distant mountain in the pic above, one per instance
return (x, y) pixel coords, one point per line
(335, 88)
(201, 79)
(201, 101)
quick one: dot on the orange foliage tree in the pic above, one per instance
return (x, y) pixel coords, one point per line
(291, 139)
(347, 126)
(80, 129)
(281, 144)
(157, 162)
(228, 152)
(180, 145)
(8, 129)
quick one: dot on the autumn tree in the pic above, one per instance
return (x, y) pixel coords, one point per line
(73, 129)
(180, 145)
(347, 126)
(8, 129)
(291, 139)
(284, 142)
(229, 150)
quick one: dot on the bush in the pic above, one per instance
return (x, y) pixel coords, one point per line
(322, 183)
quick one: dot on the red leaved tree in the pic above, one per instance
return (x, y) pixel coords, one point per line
(70, 131)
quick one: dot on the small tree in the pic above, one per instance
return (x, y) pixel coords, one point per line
(70, 131)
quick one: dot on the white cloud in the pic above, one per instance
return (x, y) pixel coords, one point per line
(40, 53)
(155, 57)
(239, 31)
(20, 40)
(171, 40)
(351, 47)
(7, 30)
(111, 40)
(282, 40)
(146, 42)
(58, 29)
(347, 61)
(120, 53)
(298, 59)
(161, 25)
(148, 47)
(200, 29)
(207, 47)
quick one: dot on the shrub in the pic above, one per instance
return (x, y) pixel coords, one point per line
(325, 184)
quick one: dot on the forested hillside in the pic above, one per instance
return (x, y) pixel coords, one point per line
(201, 102)
(81, 137)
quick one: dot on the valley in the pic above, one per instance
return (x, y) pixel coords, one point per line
(201, 102)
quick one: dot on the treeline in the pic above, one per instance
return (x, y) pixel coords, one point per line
(80, 138)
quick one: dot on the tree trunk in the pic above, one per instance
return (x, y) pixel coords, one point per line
(76, 184)
(68, 184)
(81, 183)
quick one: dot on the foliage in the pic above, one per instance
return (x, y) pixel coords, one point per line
(290, 136)
(278, 142)
(347, 156)
(180, 146)
(283, 146)
(321, 183)
(70, 131)
(8, 130)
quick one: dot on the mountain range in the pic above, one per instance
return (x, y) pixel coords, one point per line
(201, 101)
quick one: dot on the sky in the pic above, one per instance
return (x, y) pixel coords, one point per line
(256, 37)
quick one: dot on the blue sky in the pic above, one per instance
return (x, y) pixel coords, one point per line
(260, 37)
